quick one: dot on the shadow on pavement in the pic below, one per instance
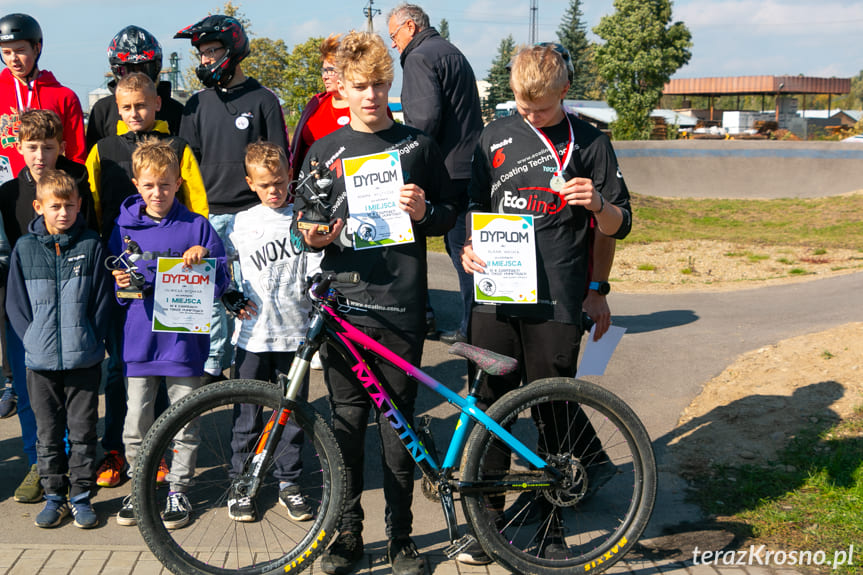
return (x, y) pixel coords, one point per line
(655, 321)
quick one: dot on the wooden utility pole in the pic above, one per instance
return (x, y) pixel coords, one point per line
(369, 11)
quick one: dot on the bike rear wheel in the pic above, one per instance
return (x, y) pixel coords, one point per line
(605, 456)
(213, 543)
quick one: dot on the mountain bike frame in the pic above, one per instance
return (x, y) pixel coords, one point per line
(327, 324)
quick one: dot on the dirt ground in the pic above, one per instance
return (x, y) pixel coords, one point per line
(767, 395)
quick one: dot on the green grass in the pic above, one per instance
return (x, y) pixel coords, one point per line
(821, 223)
(809, 499)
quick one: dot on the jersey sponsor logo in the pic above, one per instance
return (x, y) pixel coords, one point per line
(405, 150)
(498, 159)
(500, 144)
(533, 203)
(334, 157)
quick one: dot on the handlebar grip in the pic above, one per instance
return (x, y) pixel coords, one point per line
(348, 277)
(323, 282)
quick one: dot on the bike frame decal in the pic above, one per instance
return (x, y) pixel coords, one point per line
(350, 334)
(378, 394)
(283, 417)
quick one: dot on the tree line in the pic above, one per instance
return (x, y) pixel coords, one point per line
(641, 49)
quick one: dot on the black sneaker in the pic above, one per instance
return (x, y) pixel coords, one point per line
(431, 327)
(241, 508)
(554, 548)
(473, 554)
(8, 401)
(404, 557)
(292, 499)
(553, 545)
(178, 510)
(343, 555)
(126, 516)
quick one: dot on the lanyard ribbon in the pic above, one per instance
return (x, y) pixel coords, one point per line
(561, 165)
(18, 94)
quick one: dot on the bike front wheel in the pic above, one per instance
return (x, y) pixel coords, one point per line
(214, 543)
(600, 506)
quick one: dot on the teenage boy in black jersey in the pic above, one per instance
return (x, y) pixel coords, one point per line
(389, 302)
(562, 171)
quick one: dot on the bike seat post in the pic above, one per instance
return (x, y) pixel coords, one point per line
(478, 380)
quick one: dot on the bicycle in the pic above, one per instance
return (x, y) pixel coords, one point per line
(540, 493)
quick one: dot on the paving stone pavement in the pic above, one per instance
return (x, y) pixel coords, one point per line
(112, 560)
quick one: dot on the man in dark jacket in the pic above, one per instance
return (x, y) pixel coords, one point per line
(439, 96)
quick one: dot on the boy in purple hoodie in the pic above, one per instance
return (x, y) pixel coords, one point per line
(161, 226)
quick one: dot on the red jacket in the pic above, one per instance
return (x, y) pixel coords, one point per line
(47, 94)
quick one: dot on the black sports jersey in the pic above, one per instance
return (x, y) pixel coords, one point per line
(393, 283)
(512, 170)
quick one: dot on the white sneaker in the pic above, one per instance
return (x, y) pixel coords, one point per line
(316, 361)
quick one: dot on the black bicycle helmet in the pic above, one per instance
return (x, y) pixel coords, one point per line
(230, 34)
(18, 26)
(560, 49)
(135, 49)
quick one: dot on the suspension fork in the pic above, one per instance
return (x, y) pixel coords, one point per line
(250, 481)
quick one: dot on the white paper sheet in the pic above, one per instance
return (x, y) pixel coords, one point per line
(596, 354)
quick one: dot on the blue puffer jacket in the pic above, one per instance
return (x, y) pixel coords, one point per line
(58, 297)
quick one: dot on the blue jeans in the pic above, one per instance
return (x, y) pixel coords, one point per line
(454, 242)
(15, 353)
(222, 325)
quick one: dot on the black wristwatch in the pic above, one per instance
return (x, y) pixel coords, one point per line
(601, 287)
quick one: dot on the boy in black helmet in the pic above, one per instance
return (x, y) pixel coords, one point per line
(132, 49)
(23, 86)
(218, 123)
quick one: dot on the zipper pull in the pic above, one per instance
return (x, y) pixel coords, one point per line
(57, 247)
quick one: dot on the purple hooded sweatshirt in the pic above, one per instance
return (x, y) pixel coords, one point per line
(146, 352)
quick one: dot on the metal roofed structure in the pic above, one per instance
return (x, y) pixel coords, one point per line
(755, 85)
(782, 87)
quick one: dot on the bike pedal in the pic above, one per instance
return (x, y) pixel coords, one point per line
(458, 545)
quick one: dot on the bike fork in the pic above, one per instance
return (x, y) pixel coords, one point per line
(249, 482)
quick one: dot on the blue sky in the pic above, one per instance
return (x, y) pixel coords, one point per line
(731, 37)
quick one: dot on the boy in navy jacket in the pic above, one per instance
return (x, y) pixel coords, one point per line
(57, 302)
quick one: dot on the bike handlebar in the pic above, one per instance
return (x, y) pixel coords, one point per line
(322, 285)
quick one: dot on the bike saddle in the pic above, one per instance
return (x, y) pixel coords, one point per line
(490, 362)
